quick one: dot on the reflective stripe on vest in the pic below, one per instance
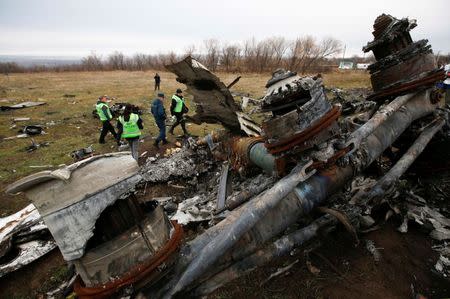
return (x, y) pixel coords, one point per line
(179, 107)
(100, 112)
(130, 127)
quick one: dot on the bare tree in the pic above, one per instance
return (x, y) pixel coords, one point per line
(191, 51)
(230, 56)
(93, 62)
(116, 61)
(263, 56)
(327, 47)
(304, 52)
(212, 53)
(279, 47)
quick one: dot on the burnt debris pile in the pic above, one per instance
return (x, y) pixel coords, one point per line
(249, 194)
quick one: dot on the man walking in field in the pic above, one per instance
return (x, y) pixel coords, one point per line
(159, 113)
(105, 116)
(178, 108)
(157, 81)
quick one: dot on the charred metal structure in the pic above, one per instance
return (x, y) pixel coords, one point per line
(111, 239)
(402, 65)
(304, 154)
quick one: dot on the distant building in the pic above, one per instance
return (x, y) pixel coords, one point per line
(362, 66)
(346, 65)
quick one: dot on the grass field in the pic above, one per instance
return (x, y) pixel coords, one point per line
(68, 121)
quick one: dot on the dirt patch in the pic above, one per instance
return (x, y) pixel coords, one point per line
(37, 278)
(407, 259)
(9, 204)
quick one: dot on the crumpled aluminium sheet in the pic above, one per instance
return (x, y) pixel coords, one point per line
(425, 214)
(26, 221)
(28, 252)
(194, 209)
(24, 217)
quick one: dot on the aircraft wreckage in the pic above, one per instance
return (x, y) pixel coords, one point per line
(268, 177)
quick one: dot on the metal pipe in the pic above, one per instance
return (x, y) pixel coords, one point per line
(280, 247)
(388, 180)
(308, 194)
(233, 201)
(259, 156)
(255, 210)
(380, 116)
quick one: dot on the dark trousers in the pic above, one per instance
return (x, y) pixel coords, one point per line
(180, 121)
(107, 127)
(162, 130)
(156, 85)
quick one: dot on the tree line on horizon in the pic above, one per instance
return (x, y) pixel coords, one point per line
(304, 55)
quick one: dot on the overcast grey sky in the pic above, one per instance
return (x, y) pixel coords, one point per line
(77, 27)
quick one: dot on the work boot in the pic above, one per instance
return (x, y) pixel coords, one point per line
(155, 144)
(165, 141)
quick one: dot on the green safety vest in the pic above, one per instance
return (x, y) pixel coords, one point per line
(100, 112)
(179, 107)
(130, 127)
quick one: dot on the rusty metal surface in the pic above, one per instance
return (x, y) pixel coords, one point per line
(301, 138)
(240, 148)
(410, 68)
(402, 65)
(389, 31)
(296, 119)
(413, 84)
(136, 274)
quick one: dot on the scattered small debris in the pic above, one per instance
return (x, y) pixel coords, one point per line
(17, 119)
(370, 246)
(34, 146)
(83, 153)
(443, 265)
(33, 130)
(285, 269)
(22, 105)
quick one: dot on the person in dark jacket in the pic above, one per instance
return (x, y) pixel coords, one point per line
(129, 126)
(178, 108)
(105, 116)
(157, 81)
(159, 113)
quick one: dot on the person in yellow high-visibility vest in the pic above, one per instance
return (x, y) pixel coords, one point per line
(130, 126)
(177, 109)
(105, 116)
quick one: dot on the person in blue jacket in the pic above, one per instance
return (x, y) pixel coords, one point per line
(159, 113)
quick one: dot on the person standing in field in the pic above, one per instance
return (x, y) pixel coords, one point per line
(157, 81)
(178, 108)
(159, 113)
(129, 127)
(105, 116)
